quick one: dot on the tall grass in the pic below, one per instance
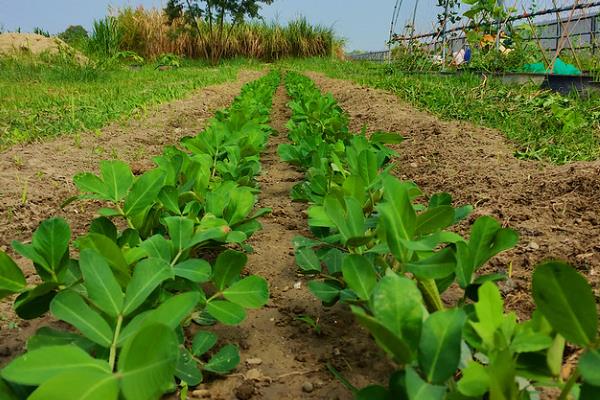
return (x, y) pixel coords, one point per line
(146, 32)
(106, 37)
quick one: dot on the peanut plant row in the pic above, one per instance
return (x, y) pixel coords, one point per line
(389, 252)
(167, 250)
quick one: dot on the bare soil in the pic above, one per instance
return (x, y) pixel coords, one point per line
(555, 209)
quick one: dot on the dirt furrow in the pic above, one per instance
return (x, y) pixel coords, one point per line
(556, 209)
(282, 357)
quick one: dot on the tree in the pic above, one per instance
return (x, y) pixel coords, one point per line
(221, 17)
(74, 35)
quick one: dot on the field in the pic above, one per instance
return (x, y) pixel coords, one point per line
(253, 230)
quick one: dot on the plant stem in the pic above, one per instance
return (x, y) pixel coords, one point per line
(431, 294)
(120, 210)
(564, 395)
(113, 347)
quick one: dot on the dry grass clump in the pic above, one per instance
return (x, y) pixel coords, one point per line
(147, 32)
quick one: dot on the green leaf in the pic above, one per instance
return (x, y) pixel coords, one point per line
(528, 342)
(434, 219)
(490, 313)
(102, 287)
(70, 307)
(367, 166)
(386, 138)
(227, 268)
(418, 389)
(397, 215)
(308, 261)
(437, 266)
(324, 291)
(360, 275)
(158, 247)
(90, 183)
(226, 312)
(566, 299)
(250, 292)
(503, 239)
(147, 363)
(187, 369)
(224, 361)
(104, 226)
(386, 339)
(147, 276)
(475, 381)
(589, 367)
(144, 192)
(110, 251)
(317, 217)
(373, 392)
(203, 342)
(195, 270)
(51, 241)
(397, 303)
(79, 385)
(169, 197)
(12, 279)
(440, 344)
(117, 177)
(181, 230)
(6, 393)
(174, 310)
(46, 336)
(33, 303)
(37, 366)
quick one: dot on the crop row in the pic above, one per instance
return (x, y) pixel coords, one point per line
(143, 271)
(381, 246)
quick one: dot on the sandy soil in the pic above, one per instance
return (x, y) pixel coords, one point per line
(556, 209)
(34, 44)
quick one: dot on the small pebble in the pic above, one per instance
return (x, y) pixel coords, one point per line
(298, 285)
(201, 394)
(253, 361)
(307, 387)
(245, 391)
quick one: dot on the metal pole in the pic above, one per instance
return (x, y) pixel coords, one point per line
(392, 31)
(593, 33)
(414, 16)
(444, 51)
(500, 4)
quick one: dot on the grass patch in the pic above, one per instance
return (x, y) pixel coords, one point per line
(541, 124)
(47, 97)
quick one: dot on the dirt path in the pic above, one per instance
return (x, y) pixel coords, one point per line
(556, 209)
(281, 357)
(35, 179)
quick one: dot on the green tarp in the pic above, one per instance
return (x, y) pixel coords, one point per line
(560, 68)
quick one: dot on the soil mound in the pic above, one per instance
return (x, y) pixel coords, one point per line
(34, 44)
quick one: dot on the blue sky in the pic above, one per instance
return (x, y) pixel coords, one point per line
(364, 23)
